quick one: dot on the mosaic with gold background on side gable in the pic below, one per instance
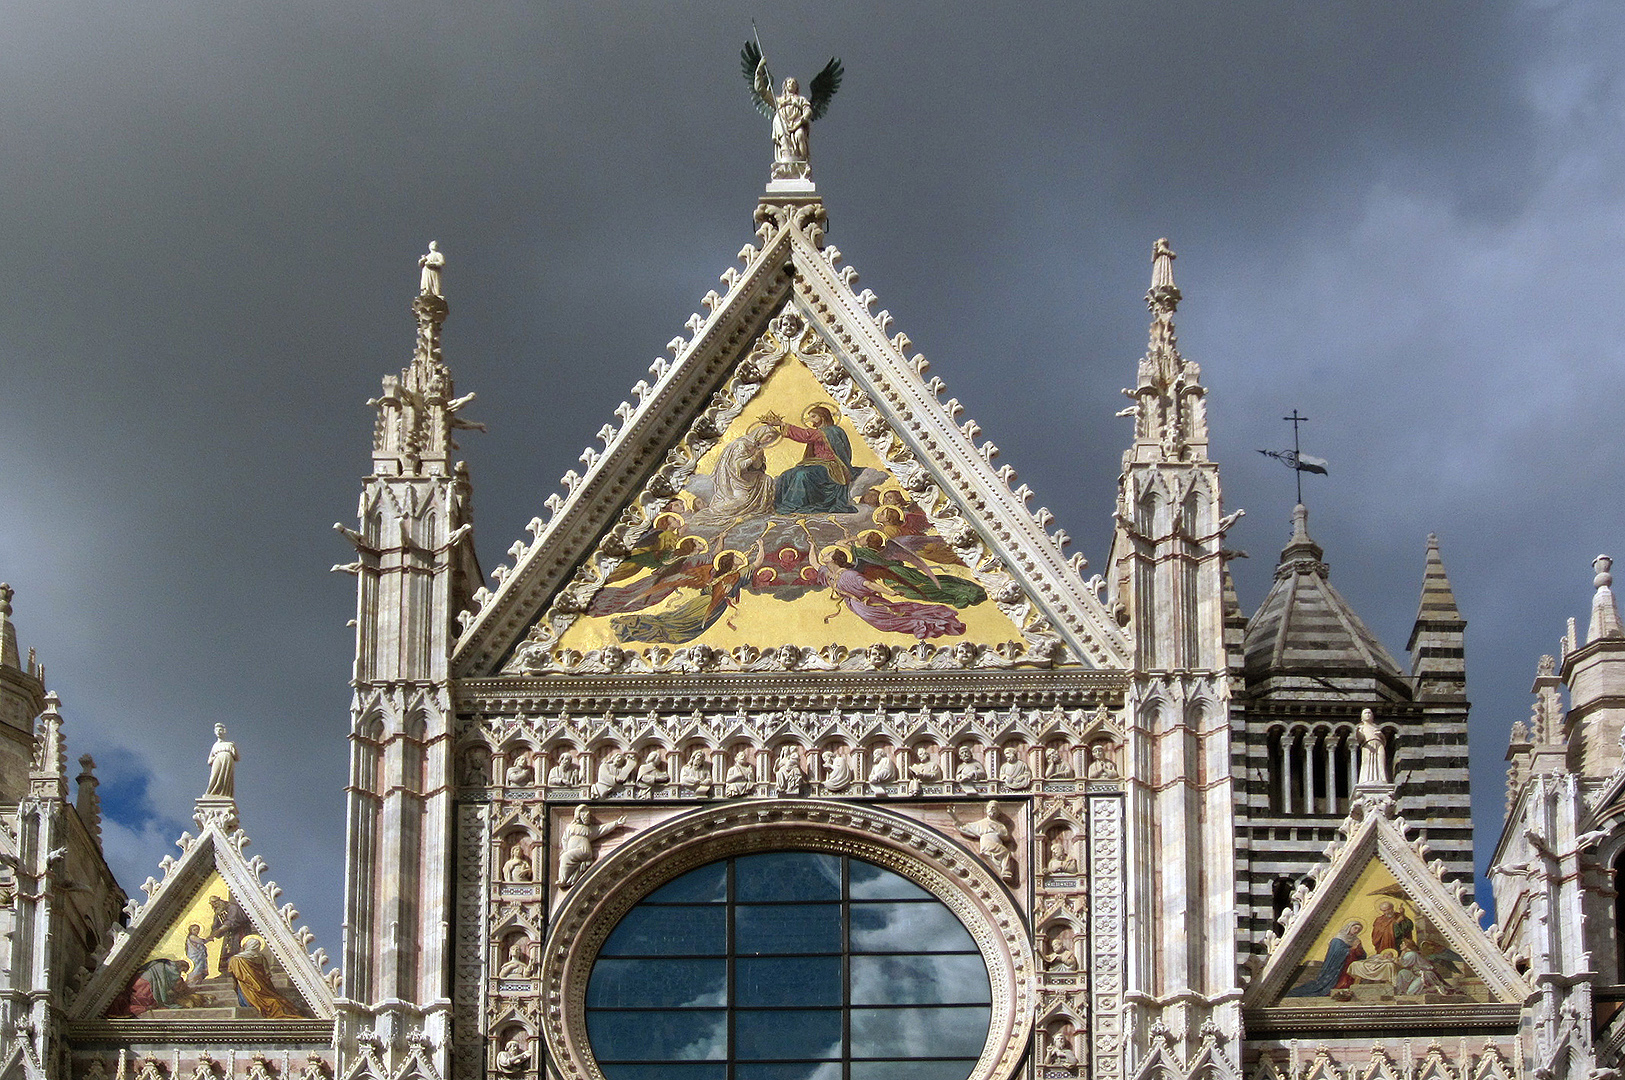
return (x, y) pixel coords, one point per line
(212, 963)
(1380, 948)
(791, 531)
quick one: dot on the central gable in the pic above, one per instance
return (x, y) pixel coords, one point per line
(790, 493)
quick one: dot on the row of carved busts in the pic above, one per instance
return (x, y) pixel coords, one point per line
(790, 769)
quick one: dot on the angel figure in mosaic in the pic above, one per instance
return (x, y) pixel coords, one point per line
(694, 616)
(859, 595)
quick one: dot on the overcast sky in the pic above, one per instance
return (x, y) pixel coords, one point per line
(1403, 220)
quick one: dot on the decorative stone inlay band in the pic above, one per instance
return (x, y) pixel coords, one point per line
(928, 858)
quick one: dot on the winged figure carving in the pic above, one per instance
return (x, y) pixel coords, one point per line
(792, 112)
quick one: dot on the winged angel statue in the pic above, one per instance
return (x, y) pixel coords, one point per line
(792, 114)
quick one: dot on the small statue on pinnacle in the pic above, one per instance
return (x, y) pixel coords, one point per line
(431, 264)
(793, 114)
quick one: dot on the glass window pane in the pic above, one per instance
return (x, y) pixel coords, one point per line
(952, 1031)
(634, 983)
(786, 1034)
(912, 1070)
(906, 927)
(801, 1070)
(666, 1071)
(803, 980)
(870, 882)
(787, 875)
(920, 980)
(670, 931)
(707, 885)
(787, 928)
(688, 1035)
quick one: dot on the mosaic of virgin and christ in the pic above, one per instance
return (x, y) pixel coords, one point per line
(1380, 948)
(790, 530)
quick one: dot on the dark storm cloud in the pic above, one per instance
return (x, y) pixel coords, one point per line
(1402, 219)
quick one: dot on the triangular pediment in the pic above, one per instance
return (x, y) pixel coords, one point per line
(1381, 928)
(210, 913)
(789, 493)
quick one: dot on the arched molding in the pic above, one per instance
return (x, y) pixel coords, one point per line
(917, 852)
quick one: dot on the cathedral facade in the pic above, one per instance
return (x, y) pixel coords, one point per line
(791, 744)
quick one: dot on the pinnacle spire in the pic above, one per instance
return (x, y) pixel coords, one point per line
(417, 409)
(1300, 547)
(1438, 663)
(1170, 416)
(1604, 612)
(1438, 598)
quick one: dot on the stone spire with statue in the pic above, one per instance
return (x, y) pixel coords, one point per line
(218, 803)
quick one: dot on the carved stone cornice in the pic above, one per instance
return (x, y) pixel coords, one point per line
(790, 690)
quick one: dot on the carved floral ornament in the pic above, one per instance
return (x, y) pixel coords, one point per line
(790, 335)
(940, 865)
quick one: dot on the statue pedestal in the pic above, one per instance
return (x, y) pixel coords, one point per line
(217, 810)
(791, 187)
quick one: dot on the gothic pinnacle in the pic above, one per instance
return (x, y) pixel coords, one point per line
(1164, 296)
(1604, 613)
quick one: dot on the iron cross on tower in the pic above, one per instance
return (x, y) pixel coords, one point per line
(1297, 457)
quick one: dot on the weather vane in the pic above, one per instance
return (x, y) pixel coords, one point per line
(792, 113)
(1295, 459)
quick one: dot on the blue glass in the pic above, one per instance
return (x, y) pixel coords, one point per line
(912, 1070)
(781, 1034)
(666, 1071)
(945, 1031)
(658, 983)
(670, 931)
(708, 884)
(800, 1070)
(787, 928)
(909, 928)
(870, 882)
(920, 980)
(787, 875)
(800, 980)
(684, 1035)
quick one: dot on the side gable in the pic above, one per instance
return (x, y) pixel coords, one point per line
(1371, 886)
(211, 864)
(661, 440)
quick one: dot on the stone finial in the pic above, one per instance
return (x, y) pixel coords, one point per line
(89, 803)
(8, 634)
(1163, 293)
(1604, 613)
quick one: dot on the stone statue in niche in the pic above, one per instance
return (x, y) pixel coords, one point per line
(653, 773)
(520, 964)
(1101, 766)
(576, 851)
(969, 771)
(924, 769)
(1014, 773)
(1058, 953)
(993, 839)
(613, 773)
(696, 773)
(565, 773)
(476, 769)
(740, 778)
(222, 766)
(514, 1058)
(788, 776)
(1059, 1050)
(837, 771)
(1061, 862)
(517, 868)
(1058, 763)
(882, 771)
(520, 772)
